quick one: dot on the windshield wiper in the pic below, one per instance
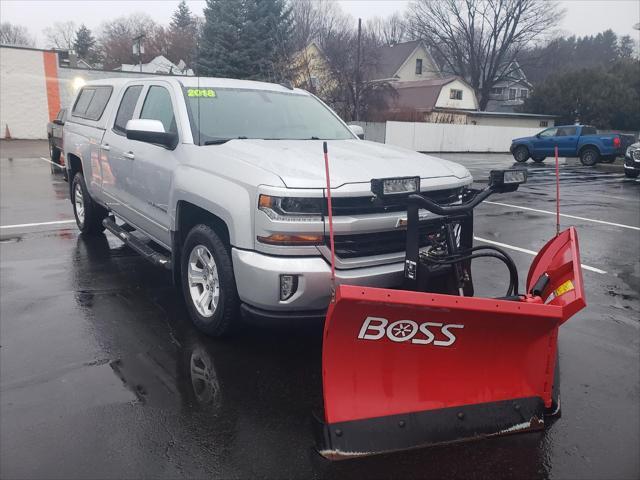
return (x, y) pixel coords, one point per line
(309, 138)
(220, 141)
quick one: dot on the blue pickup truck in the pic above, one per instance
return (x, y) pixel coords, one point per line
(572, 141)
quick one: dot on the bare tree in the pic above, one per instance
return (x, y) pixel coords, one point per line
(480, 39)
(116, 39)
(390, 30)
(61, 35)
(317, 20)
(18, 35)
(354, 96)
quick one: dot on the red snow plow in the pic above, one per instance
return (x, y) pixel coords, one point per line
(428, 363)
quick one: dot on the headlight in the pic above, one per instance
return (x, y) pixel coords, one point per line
(296, 209)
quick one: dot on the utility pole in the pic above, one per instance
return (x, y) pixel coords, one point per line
(138, 48)
(357, 86)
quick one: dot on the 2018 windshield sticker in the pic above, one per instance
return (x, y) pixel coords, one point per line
(197, 92)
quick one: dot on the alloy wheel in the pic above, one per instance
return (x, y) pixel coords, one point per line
(204, 283)
(78, 200)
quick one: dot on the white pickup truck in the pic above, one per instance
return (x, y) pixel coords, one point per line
(222, 181)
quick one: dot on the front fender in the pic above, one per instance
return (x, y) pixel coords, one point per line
(515, 145)
(224, 198)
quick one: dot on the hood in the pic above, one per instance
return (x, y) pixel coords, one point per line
(300, 163)
(522, 139)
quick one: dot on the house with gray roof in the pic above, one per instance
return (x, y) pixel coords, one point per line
(405, 62)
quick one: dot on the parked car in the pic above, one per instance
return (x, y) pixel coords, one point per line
(54, 135)
(572, 141)
(632, 161)
(223, 182)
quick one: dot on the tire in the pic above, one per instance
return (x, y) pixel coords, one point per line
(521, 154)
(631, 173)
(589, 156)
(205, 257)
(539, 159)
(54, 154)
(89, 214)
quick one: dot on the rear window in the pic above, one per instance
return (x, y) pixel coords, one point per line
(589, 131)
(566, 131)
(91, 102)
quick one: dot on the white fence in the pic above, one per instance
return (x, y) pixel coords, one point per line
(440, 137)
(373, 131)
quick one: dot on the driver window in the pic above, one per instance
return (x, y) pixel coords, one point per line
(157, 106)
(549, 132)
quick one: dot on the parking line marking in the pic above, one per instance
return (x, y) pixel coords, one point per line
(23, 225)
(49, 161)
(530, 252)
(630, 227)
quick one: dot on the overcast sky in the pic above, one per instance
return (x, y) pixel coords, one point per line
(583, 17)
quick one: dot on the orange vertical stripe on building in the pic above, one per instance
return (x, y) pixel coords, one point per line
(53, 87)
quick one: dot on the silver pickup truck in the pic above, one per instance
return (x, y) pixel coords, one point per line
(222, 181)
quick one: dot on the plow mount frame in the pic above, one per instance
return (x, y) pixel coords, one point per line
(403, 369)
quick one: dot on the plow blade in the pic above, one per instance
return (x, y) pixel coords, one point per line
(406, 369)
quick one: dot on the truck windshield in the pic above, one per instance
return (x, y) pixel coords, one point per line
(221, 114)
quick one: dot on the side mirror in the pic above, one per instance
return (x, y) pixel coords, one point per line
(357, 130)
(537, 135)
(151, 131)
(58, 121)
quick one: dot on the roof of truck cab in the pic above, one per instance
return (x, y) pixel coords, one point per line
(199, 82)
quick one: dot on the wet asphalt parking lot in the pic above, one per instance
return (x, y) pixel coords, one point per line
(102, 375)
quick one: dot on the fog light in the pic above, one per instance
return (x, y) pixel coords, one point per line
(288, 286)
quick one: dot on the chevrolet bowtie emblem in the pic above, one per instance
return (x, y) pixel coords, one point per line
(422, 215)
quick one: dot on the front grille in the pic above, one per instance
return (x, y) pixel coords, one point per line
(379, 243)
(635, 154)
(370, 204)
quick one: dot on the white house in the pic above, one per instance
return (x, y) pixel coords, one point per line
(160, 64)
(438, 100)
(511, 91)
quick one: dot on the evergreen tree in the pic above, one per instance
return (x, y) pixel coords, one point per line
(566, 54)
(626, 47)
(182, 18)
(269, 28)
(182, 35)
(606, 98)
(245, 39)
(84, 44)
(223, 50)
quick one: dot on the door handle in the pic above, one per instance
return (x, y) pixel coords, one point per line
(129, 155)
(105, 146)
